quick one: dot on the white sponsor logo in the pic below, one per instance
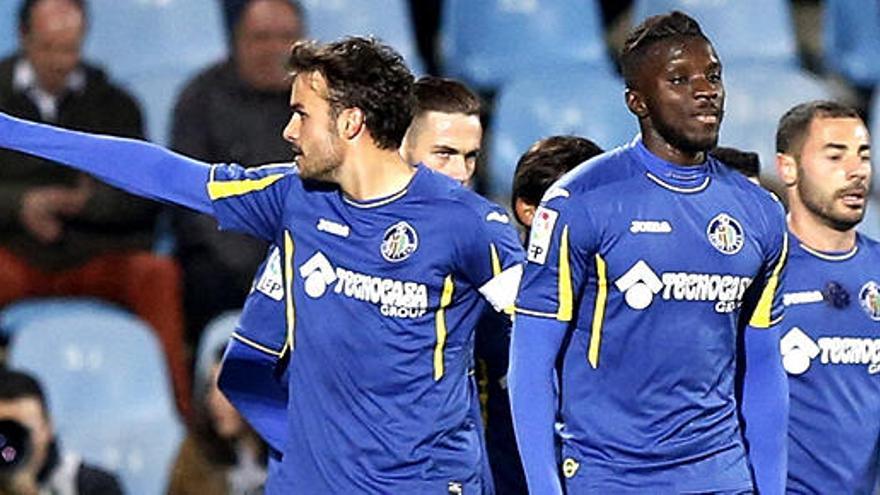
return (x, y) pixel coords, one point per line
(554, 192)
(271, 281)
(395, 298)
(650, 227)
(334, 228)
(497, 217)
(541, 234)
(803, 297)
(799, 350)
(640, 284)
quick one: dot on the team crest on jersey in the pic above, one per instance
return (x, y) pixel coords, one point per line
(869, 298)
(399, 242)
(725, 233)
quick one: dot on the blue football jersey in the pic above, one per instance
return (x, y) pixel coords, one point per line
(652, 264)
(831, 351)
(380, 302)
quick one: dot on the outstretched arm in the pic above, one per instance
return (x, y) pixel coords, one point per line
(135, 166)
(534, 346)
(764, 409)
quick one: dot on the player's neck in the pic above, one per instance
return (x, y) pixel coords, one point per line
(660, 147)
(374, 173)
(819, 236)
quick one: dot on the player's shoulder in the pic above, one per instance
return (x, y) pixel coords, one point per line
(868, 244)
(461, 205)
(235, 172)
(743, 185)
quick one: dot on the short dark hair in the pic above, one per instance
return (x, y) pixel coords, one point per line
(546, 161)
(25, 12)
(747, 163)
(440, 94)
(795, 123)
(654, 29)
(16, 385)
(366, 74)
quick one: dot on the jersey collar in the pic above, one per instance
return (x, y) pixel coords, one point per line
(678, 178)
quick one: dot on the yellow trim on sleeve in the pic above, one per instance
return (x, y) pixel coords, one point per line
(225, 189)
(564, 280)
(440, 327)
(598, 312)
(250, 343)
(290, 309)
(764, 309)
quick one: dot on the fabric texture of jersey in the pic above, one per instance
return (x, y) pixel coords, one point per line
(831, 351)
(653, 265)
(381, 299)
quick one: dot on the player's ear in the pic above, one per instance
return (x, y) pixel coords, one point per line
(786, 168)
(635, 102)
(524, 212)
(350, 123)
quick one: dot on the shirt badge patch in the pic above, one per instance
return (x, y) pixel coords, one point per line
(399, 242)
(869, 299)
(541, 234)
(725, 233)
(271, 281)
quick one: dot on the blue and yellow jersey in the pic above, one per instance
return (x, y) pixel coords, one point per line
(654, 266)
(831, 351)
(380, 302)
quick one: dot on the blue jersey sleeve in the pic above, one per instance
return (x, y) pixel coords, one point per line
(251, 200)
(562, 249)
(135, 166)
(492, 259)
(764, 402)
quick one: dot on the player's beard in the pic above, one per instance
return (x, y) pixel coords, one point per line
(680, 139)
(322, 162)
(822, 205)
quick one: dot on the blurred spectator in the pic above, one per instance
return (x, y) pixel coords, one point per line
(44, 467)
(233, 112)
(64, 234)
(543, 164)
(445, 132)
(222, 455)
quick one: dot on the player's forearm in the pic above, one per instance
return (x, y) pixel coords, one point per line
(765, 410)
(534, 347)
(135, 166)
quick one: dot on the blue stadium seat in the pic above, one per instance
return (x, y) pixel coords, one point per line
(387, 20)
(8, 26)
(488, 42)
(576, 101)
(741, 30)
(108, 388)
(153, 47)
(851, 31)
(756, 99)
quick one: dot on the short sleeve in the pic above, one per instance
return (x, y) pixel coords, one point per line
(768, 310)
(493, 258)
(251, 200)
(562, 250)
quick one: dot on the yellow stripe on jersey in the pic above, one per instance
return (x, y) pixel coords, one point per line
(598, 312)
(564, 282)
(496, 270)
(290, 310)
(226, 189)
(250, 343)
(764, 309)
(440, 327)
